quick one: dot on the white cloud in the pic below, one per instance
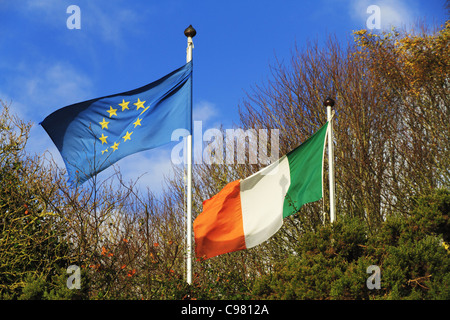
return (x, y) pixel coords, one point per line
(393, 13)
(204, 111)
(151, 167)
(104, 22)
(113, 22)
(109, 22)
(48, 12)
(44, 87)
(36, 90)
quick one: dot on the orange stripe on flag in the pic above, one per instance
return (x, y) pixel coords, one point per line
(219, 228)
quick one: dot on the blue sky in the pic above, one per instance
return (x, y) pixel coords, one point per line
(123, 45)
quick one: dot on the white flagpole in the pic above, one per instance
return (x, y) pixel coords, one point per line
(329, 103)
(189, 33)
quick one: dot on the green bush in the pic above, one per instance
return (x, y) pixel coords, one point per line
(39, 287)
(331, 263)
(31, 242)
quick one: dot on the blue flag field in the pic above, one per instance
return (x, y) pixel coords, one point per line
(94, 134)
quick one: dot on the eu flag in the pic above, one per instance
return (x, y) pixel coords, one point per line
(94, 134)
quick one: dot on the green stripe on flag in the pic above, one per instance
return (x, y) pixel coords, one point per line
(305, 166)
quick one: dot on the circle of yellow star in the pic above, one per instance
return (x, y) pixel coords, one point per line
(137, 123)
(127, 136)
(112, 112)
(124, 105)
(103, 139)
(104, 124)
(139, 104)
(115, 146)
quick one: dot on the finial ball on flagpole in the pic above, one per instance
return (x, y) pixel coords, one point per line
(328, 102)
(190, 31)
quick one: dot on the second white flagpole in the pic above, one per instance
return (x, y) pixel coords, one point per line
(329, 103)
(189, 33)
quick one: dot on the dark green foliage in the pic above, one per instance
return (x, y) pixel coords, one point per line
(332, 262)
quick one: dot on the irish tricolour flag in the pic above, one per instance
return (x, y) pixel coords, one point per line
(247, 212)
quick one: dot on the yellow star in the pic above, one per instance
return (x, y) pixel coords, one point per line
(103, 139)
(127, 136)
(112, 112)
(115, 146)
(104, 124)
(124, 105)
(137, 123)
(139, 104)
(106, 150)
